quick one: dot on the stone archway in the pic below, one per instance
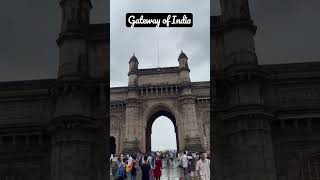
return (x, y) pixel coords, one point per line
(160, 111)
(155, 92)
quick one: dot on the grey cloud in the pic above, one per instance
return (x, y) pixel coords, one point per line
(287, 30)
(143, 41)
(28, 36)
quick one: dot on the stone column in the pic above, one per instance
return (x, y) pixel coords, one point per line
(250, 146)
(243, 136)
(133, 136)
(77, 137)
(189, 119)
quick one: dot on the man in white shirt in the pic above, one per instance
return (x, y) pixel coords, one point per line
(130, 159)
(185, 160)
(203, 167)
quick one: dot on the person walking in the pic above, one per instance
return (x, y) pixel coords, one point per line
(185, 162)
(133, 168)
(192, 166)
(145, 169)
(158, 167)
(120, 171)
(203, 167)
(126, 166)
(152, 165)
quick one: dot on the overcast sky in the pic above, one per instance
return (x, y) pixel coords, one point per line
(28, 33)
(287, 32)
(163, 136)
(195, 41)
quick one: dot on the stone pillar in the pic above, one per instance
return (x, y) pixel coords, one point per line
(233, 34)
(73, 56)
(189, 118)
(251, 147)
(242, 121)
(77, 137)
(133, 130)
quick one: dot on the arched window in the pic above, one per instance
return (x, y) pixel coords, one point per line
(113, 146)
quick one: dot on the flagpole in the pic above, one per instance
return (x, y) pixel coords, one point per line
(158, 53)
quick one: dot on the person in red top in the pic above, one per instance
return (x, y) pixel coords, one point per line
(157, 170)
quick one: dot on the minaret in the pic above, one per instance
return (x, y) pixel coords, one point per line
(184, 68)
(73, 57)
(133, 70)
(77, 127)
(238, 34)
(241, 121)
(188, 109)
(132, 142)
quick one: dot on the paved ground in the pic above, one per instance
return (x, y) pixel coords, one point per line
(170, 172)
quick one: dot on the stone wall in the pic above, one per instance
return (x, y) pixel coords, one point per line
(156, 100)
(158, 79)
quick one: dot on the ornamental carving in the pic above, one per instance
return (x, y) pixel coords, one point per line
(115, 123)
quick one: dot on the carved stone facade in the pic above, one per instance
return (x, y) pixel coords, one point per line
(154, 92)
(266, 117)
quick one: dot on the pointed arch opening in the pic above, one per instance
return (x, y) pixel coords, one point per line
(160, 111)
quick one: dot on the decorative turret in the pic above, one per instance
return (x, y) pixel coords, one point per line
(234, 31)
(184, 68)
(133, 63)
(72, 44)
(183, 60)
(133, 69)
(235, 10)
(75, 15)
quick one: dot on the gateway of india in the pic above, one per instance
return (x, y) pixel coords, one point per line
(156, 92)
(265, 118)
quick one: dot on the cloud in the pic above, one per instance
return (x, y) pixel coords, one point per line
(287, 30)
(193, 41)
(28, 34)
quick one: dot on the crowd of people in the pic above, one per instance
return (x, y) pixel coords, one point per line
(190, 165)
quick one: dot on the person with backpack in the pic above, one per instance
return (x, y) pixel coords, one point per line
(192, 166)
(119, 170)
(133, 168)
(126, 166)
(114, 167)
